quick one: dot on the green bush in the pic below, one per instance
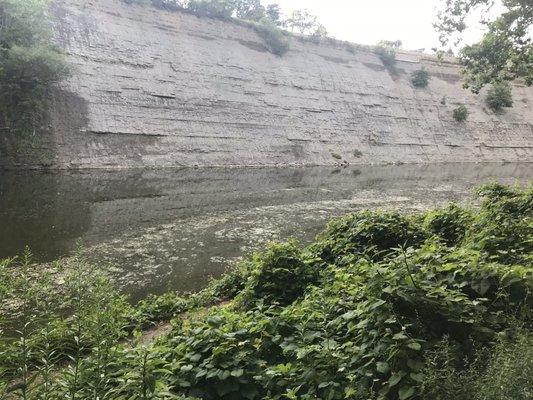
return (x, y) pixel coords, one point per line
(492, 193)
(450, 223)
(499, 96)
(223, 9)
(502, 229)
(367, 233)
(275, 39)
(361, 332)
(29, 65)
(279, 276)
(460, 114)
(420, 78)
(251, 10)
(160, 308)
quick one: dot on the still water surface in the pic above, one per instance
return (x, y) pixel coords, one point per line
(173, 229)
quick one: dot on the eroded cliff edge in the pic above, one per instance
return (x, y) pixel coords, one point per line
(162, 89)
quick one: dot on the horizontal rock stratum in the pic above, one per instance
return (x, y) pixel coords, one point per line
(164, 89)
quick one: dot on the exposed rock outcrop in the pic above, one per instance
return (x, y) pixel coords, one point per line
(164, 89)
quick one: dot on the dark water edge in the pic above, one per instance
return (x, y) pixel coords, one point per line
(162, 229)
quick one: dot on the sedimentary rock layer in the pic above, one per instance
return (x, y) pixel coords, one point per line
(163, 89)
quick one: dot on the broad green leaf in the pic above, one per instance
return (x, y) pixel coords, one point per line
(406, 392)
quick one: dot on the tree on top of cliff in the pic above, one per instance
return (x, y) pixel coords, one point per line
(506, 50)
(273, 12)
(305, 23)
(251, 10)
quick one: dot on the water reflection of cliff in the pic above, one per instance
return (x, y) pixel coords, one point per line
(50, 211)
(44, 211)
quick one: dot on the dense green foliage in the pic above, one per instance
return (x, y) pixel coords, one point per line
(212, 8)
(460, 114)
(280, 275)
(368, 234)
(29, 65)
(506, 50)
(499, 96)
(420, 78)
(450, 223)
(381, 306)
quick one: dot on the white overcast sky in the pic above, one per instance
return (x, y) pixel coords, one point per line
(369, 21)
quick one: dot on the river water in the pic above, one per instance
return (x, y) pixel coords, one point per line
(173, 229)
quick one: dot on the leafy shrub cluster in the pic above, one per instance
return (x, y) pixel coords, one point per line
(280, 275)
(502, 229)
(450, 223)
(499, 96)
(29, 65)
(212, 8)
(460, 114)
(420, 78)
(366, 234)
(381, 306)
(386, 51)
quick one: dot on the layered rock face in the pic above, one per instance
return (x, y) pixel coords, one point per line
(164, 89)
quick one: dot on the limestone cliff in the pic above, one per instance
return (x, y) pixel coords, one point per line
(159, 89)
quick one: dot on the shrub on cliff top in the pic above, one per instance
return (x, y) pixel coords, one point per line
(212, 8)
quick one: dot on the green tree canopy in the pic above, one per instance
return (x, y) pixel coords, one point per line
(273, 12)
(29, 64)
(506, 50)
(304, 23)
(250, 9)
